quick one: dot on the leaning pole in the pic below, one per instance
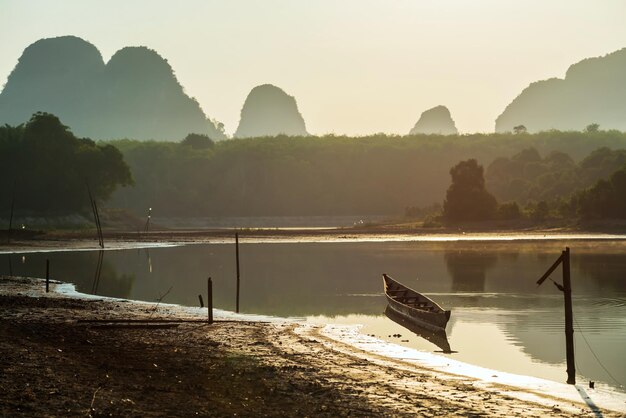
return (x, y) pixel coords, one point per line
(566, 288)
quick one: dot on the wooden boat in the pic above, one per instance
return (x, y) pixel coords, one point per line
(414, 306)
(437, 337)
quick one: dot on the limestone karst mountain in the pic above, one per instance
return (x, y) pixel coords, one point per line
(57, 76)
(593, 91)
(135, 95)
(435, 121)
(269, 111)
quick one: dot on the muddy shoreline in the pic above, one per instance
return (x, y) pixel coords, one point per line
(54, 364)
(25, 241)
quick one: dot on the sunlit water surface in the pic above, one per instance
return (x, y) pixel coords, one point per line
(500, 318)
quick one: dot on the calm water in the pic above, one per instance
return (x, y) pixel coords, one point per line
(500, 318)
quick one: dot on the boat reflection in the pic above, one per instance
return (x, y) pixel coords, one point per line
(439, 338)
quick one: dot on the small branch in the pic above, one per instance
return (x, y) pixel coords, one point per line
(159, 300)
(93, 400)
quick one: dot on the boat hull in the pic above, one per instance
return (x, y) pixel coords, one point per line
(414, 306)
(434, 321)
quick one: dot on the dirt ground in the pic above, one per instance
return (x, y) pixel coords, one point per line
(53, 363)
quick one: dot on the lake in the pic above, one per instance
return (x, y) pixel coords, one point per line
(500, 318)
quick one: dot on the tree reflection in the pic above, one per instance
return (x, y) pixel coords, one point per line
(468, 269)
(606, 272)
(78, 268)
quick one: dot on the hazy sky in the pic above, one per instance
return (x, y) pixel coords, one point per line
(354, 66)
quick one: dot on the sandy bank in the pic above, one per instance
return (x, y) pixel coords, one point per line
(84, 241)
(54, 364)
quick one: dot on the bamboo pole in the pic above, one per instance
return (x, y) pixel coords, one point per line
(98, 224)
(92, 202)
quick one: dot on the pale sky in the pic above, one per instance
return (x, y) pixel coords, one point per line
(354, 66)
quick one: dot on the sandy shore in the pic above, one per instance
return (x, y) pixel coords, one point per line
(53, 363)
(85, 240)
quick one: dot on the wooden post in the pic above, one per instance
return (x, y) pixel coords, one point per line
(201, 301)
(47, 275)
(566, 288)
(569, 326)
(210, 299)
(237, 259)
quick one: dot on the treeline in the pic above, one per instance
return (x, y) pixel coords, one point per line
(334, 175)
(606, 199)
(45, 169)
(557, 179)
(526, 176)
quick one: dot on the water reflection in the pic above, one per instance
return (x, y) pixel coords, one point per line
(89, 270)
(469, 269)
(439, 338)
(96, 277)
(489, 285)
(608, 271)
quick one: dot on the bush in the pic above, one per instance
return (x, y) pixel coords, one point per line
(509, 211)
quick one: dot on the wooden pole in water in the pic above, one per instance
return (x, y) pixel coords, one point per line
(201, 301)
(566, 288)
(237, 259)
(47, 275)
(210, 299)
(569, 326)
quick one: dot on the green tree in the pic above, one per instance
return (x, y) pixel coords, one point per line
(519, 129)
(540, 211)
(198, 141)
(593, 127)
(467, 199)
(605, 200)
(51, 168)
(509, 211)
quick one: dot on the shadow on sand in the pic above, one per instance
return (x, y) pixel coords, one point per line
(585, 397)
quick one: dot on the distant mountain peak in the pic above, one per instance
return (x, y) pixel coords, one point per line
(593, 91)
(436, 120)
(135, 95)
(269, 111)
